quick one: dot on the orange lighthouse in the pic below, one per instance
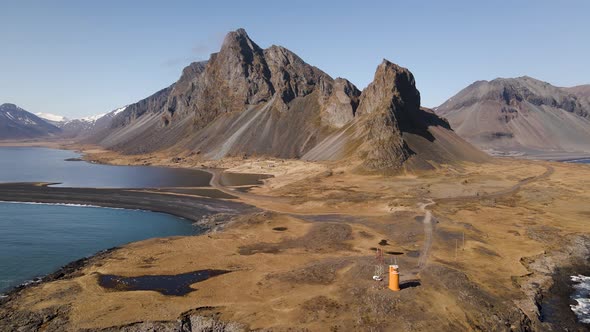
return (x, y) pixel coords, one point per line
(394, 278)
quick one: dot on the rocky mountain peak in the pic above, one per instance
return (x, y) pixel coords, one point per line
(520, 114)
(16, 123)
(393, 89)
(290, 75)
(391, 132)
(516, 94)
(8, 107)
(246, 100)
(386, 108)
(238, 75)
(238, 37)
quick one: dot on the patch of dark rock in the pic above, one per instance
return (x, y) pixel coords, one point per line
(259, 248)
(319, 308)
(74, 159)
(244, 189)
(253, 219)
(366, 235)
(383, 243)
(485, 251)
(242, 179)
(544, 234)
(53, 318)
(171, 285)
(499, 135)
(214, 221)
(205, 192)
(485, 311)
(198, 319)
(470, 227)
(394, 253)
(555, 304)
(280, 229)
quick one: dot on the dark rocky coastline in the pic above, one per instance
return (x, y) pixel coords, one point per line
(199, 210)
(192, 208)
(556, 301)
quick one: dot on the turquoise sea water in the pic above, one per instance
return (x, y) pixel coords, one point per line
(27, 164)
(37, 239)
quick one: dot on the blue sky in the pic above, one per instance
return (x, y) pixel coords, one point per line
(79, 58)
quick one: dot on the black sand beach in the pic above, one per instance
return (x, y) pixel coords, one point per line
(178, 204)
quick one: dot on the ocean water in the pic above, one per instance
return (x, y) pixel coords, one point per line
(581, 296)
(37, 239)
(28, 164)
(581, 161)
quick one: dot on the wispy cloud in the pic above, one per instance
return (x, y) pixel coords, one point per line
(208, 45)
(199, 51)
(178, 61)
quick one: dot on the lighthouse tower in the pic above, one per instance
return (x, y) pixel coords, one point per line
(394, 278)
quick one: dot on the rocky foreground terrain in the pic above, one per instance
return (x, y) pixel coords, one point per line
(522, 116)
(478, 247)
(479, 240)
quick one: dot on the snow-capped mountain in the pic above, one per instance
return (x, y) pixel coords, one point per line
(51, 118)
(86, 126)
(16, 123)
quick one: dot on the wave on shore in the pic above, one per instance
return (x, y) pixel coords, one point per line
(582, 296)
(70, 204)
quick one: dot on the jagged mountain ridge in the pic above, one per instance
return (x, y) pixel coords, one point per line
(89, 126)
(254, 101)
(582, 93)
(16, 123)
(520, 115)
(82, 127)
(391, 131)
(216, 105)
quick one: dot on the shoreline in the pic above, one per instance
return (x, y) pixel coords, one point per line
(64, 272)
(122, 199)
(174, 201)
(190, 207)
(43, 193)
(556, 301)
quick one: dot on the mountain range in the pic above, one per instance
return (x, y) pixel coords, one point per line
(521, 116)
(250, 101)
(246, 100)
(83, 127)
(16, 123)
